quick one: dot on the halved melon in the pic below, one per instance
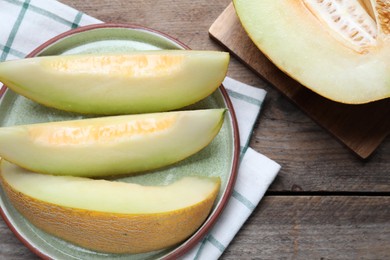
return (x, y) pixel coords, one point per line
(110, 145)
(135, 82)
(110, 216)
(337, 48)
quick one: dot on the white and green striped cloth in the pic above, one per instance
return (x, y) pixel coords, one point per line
(27, 24)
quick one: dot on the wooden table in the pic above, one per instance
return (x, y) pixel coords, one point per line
(326, 203)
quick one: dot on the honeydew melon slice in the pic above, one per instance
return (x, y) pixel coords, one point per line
(110, 145)
(337, 48)
(110, 216)
(108, 84)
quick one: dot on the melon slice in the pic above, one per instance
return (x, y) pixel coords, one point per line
(110, 145)
(340, 49)
(110, 216)
(136, 82)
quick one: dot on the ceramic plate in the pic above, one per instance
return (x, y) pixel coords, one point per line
(217, 159)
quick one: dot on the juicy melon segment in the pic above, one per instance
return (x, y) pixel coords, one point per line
(110, 145)
(110, 216)
(108, 84)
(339, 49)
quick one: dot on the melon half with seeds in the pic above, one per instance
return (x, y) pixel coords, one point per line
(110, 216)
(110, 145)
(340, 49)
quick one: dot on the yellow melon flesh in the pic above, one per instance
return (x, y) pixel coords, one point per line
(133, 82)
(110, 216)
(110, 145)
(339, 49)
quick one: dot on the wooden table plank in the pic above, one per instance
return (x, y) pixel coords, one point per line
(311, 160)
(294, 227)
(11, 247)
(316, 227)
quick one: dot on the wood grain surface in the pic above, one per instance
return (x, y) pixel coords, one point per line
(326, 202)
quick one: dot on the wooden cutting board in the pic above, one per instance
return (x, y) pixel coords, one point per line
(360, 127)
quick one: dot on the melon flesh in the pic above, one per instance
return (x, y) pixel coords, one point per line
(134, 82)
(339, 49)
(110, 216)
(110, 145)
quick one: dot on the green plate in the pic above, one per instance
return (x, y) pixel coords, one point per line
(219, 158)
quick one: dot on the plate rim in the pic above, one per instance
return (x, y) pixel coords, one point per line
(188, 244)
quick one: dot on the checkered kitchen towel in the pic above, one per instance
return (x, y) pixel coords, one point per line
(24, 25)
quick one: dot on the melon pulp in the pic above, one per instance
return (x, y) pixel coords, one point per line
(110, 145)
(108, 84)
(110, 216)
(339, 49)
